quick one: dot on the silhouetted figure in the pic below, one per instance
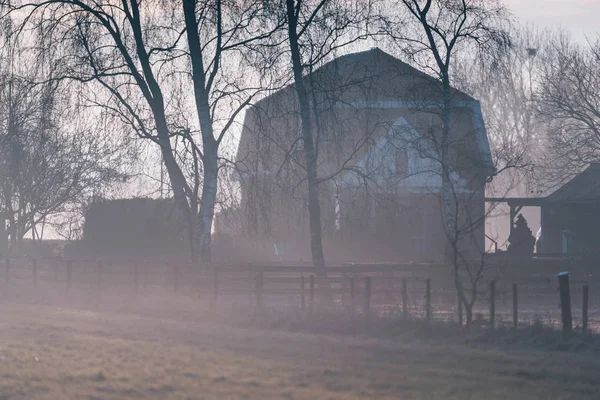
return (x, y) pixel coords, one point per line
(521, 239)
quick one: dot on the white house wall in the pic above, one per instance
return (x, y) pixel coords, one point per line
(424, 169)
(474, 106)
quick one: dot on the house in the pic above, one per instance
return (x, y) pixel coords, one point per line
(377, 127)
(134, 225)
(570, 216)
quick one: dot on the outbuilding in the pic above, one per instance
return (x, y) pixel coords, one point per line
(570, 216)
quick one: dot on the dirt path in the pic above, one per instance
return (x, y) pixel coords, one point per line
(53, 353)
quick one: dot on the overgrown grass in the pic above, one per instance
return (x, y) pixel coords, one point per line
(60, 353)
(335, 322)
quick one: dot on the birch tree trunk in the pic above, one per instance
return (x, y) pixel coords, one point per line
(202, 233)
(207, 205)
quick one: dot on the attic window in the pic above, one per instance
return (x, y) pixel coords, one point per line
(401, 163)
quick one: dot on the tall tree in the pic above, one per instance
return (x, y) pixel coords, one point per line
(48, 161)
(505, 82)
(315, 30)
(433, 32)
(316, 242)
(568, 103)
(133, 51)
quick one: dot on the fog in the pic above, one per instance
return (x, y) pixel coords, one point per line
(332, 199)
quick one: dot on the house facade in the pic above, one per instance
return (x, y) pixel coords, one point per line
(378, 129)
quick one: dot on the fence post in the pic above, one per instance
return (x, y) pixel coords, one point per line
(311, 293)
(69, 273)
(492, 304)
(367, 299)
(353, 295)
(215, 284)
(302, 299)
(99, 270)
(460, 308)
(7, 270)
(584, 313)
(428, 300)
(515, 296)
(34, 271)
(259, 289)
(565, 303)
(404, 300)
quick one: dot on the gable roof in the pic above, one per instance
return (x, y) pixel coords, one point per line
(376, 64)
(378, 80)
(583, 188)
(392, 67)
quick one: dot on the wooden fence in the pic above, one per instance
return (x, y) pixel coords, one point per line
(363, 290)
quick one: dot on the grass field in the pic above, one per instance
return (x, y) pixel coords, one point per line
(58, 353)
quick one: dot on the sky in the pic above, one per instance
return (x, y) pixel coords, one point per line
(579, 17)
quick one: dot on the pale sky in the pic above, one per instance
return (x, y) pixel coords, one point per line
(579, 17)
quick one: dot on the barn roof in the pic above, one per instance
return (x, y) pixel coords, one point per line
(365, 66)
(397, 85)
(583, 188)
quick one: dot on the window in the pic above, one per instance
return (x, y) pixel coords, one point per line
(401, 163)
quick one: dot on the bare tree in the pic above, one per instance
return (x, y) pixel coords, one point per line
(132, 57)
(434, 31)
(505, 82)
(568, 97)
(314, 31)
(48, 161)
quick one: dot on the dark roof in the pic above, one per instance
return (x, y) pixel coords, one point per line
(375, 57)
(518, 201)
(393, 83)
(583, 188)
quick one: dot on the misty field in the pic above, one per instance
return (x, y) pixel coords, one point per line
(59, 353)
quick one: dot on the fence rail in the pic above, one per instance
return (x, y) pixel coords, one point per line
(510, 297)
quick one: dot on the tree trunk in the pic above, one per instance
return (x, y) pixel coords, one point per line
(447, 192)
(207, 206)
(210, 146)
(469, 314)
(314, 208)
